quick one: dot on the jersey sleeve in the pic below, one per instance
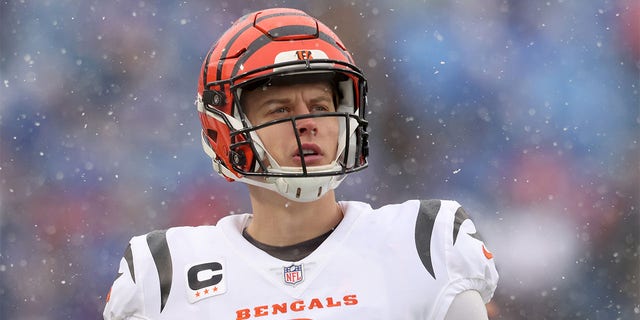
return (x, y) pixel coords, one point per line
(125, 299)
(465, 262)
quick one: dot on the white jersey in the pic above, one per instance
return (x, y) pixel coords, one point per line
(403, 261)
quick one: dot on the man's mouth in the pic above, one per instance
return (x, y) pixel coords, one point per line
(307, 152)
(310, 152)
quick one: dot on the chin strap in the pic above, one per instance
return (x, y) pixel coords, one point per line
(306, 189)
(299, 189)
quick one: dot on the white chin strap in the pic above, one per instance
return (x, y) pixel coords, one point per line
(305, 189)
(299, 189)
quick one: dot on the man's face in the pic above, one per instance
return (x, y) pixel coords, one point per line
(319, 136)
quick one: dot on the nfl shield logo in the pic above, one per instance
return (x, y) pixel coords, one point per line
(293, 274)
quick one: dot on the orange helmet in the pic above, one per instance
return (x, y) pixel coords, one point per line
(265, 46)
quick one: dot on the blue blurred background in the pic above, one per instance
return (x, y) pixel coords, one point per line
(526, 112)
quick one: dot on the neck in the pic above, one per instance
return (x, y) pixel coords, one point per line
(278, 221)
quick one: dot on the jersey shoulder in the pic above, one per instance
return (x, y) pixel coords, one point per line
(450, 247)
(145, 274)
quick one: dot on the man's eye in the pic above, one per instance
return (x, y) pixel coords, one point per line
(279, 110)
(320, 108)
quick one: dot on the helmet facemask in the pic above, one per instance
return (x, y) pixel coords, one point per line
(252, 161)
(304, 182)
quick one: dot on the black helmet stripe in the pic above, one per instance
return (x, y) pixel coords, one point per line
(280, 14)
(293, 30)
(206, 64)
(226, 51)
(235, 37)
(264, 40)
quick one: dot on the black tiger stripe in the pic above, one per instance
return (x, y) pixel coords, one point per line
(235, 37)
(461, 216)
(424, 228)
(157, 241)
(280, 14)
(293, 30)
(264, 40)
(205, 68)
(226, 50)
(318, 33)
(128, 257)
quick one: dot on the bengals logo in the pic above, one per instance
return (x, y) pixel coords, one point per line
(304, 55)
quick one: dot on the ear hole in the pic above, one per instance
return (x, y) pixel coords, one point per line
(213, 98)
(213, 135)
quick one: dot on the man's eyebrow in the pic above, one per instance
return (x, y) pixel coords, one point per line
(321, 98)
(271, 101)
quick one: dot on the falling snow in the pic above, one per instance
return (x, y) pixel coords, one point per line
(525, 112)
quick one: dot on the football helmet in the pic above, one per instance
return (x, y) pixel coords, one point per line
(266, 47)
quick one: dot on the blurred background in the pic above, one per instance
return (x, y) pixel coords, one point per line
(526, 112)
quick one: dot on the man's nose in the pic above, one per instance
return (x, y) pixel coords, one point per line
(306, 125)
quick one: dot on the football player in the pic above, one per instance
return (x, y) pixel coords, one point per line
(282, 106)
